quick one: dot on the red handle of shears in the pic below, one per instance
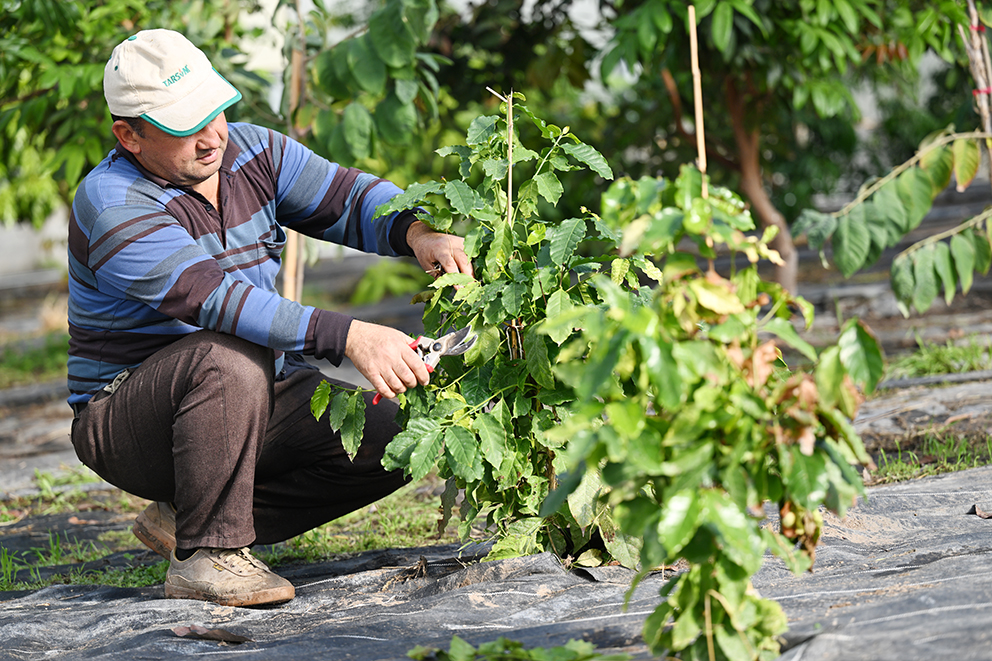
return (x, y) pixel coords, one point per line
(413, 345)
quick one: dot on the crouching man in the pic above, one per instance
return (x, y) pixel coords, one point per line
(185, 367)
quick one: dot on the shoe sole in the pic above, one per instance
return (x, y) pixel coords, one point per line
(153, 536)
(270, 596)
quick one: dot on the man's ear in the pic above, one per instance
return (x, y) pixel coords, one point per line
(126, 135)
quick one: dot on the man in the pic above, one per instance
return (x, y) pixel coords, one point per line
(184, 364)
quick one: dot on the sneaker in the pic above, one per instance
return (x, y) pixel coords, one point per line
(229, 577)
(156, 528)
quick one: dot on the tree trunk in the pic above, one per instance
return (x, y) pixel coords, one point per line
(749, 148)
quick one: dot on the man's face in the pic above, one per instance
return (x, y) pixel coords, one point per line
(182, 161)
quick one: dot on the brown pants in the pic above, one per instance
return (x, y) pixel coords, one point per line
(204, 424)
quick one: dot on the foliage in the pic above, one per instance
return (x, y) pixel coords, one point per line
(596, 414)
(772, 75)
(506, 649)
(482, 417)
(691, 419)
(376, 85)
(52, 55)
(892, 207)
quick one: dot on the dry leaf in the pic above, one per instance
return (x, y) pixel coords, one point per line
(195, 631)
(982, 513)
(807, 441)
(76, 521)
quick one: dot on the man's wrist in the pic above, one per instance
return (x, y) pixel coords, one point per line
(399, 233)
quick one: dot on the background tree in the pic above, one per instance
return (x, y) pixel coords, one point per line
(53, 117)
(765, 66)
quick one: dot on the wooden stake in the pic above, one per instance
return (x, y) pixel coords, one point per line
(697, 95)
(292, 273)
(509, 159)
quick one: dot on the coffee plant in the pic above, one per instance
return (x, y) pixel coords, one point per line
(624, 400)
(688, 419)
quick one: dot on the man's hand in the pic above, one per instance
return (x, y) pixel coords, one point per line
(434, 248)
(384, 357)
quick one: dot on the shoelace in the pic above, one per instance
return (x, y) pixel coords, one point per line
(242, 559)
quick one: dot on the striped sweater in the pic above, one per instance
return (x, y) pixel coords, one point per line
(150, 262)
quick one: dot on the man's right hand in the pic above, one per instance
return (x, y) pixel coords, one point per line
(384, 357)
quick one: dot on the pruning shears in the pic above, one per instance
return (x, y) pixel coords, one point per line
(430, 350)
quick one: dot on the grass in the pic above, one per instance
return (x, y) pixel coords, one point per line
(936, 455)
(22, 365)
(932, 358)
(405, 518)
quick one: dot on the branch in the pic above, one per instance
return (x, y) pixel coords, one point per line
(673, 96)
(968, 224)
(940, 142)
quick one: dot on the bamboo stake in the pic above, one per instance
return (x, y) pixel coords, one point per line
(292, 274)
(509, 159)
(697, 95)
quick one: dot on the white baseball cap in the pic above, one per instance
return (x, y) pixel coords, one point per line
(160, 76)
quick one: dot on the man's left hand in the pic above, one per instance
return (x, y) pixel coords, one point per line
(435, 249)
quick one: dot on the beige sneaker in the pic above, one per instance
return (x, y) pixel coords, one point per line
(229, 577)
(156, 528)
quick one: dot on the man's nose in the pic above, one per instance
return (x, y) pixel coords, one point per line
(208, 137)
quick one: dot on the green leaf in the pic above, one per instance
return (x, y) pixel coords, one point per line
(887, 201)
(983, 252)
(583, 500)
(559, 303)
(499, 250)
(536, 355)
(945, 269)
(406, 90)
(967, 158)
(851, 242)
(463, 453)
(396, 119)
(549, 187)
(320, 399)
(860, 355)
(565, 240)
(662, 370)
(963, 252)
(367, 69)
(722, 28)
(586, 154)
(338, 410)
(481, 130)
(784, 330)
(485, 347)
(513, 297)
(358, 130)
(353, 425)
(938, 163)
(424, 453)
(902, 278)
(492, 438)
(926, 278)
(392, 37)
(915, 189)
(679, 521)
(400, 450)
(463, 197)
